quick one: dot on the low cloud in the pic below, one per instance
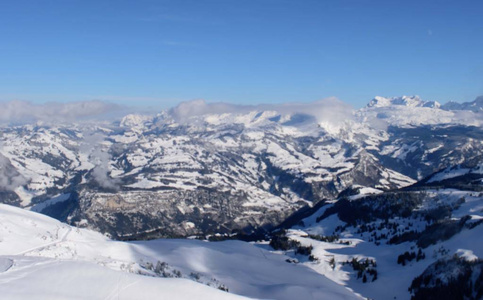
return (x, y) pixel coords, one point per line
(100, 158)
(10, 179)
(328, 110)
(20, 112)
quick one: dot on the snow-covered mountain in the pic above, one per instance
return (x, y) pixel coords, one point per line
(214, 168)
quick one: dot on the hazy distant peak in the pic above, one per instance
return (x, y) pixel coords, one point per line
(133, 120)
(409, 101)
(379, 101)
(475, 105)
(432, 104)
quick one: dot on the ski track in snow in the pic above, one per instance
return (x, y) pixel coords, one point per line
(39, 248)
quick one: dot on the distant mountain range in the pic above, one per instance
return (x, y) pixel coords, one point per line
(415, 101)
(475, 106)
(199, 169)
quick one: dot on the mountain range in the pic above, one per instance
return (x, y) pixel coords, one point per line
(189, 171)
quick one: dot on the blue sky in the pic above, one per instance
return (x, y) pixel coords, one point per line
(158, 53)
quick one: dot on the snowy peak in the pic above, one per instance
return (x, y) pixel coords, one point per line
(411, 111)
(379, 101)
(408, 101)
(135, 120)
(432, 104)
(474, 106)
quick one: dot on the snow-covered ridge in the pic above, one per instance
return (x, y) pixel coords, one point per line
(456, 171)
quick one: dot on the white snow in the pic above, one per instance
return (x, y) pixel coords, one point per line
(466, 254)
(51, 260)
(57, 199)
(447, 174)
(5, 264)
(364, 192)
(40, 278)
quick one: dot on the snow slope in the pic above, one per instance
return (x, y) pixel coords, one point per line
(40, 278)
(453, 172)
(41, 258)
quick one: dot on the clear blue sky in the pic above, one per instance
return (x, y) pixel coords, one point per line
(157, 53)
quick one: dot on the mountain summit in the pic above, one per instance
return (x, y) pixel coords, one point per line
(409, 101)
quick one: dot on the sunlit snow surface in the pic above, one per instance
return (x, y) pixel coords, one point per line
(41, 258)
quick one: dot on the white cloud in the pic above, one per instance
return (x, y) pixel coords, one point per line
(328, 110)
(14, 112)
(100, 158)
(10, 179)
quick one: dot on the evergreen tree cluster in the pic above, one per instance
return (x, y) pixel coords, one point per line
(161, 269)
(441, 230)
(364, 268)
(328, 239)
(453, 279)
(371, 208)
(282, 242)
(409, 256)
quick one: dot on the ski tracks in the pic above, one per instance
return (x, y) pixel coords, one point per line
(56, 242)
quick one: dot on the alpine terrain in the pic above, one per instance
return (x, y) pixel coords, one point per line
(383, 202)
